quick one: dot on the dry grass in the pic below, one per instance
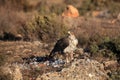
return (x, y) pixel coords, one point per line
(17, 17)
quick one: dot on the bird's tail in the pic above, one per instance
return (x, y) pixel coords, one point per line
(52, 53)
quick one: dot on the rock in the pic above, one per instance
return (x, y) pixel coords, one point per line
(37, 43)
(27, 51)
(101, 14)
(80, 54)
(70, 11)
(95, 13)
(18, 37)
(56, 63)
(79, 51)
(110, 63)
(82, 69)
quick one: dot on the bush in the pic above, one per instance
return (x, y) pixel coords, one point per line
(111, 44)
(107, 54)
(117, 44)
(115, 75)
(104, 47)
(46, 28)
(94, 48)
(117, 47)
(108, 48)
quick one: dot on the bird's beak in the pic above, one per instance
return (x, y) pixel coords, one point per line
(69, 32)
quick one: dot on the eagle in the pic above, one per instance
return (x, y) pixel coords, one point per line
(66, 44)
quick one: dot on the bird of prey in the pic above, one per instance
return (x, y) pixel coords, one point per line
(66, 44)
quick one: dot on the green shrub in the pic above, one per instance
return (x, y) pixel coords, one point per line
(115, 76)
(111, 44)
(117, 44)
(94, 48)
(46, 28)
(117, 48)
(110, 48)
(107, 43)
(107, 54)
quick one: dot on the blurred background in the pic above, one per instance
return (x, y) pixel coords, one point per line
(96, 26)
(19, 17)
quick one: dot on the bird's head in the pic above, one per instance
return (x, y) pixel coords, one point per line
(70, 33)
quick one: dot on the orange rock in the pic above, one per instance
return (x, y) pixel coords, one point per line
(96, 13)
(70, 12)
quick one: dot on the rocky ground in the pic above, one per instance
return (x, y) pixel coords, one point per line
(95, 25)
(82, 69)
(28, 61)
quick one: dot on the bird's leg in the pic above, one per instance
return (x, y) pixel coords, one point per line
(51, 55)
(67, 57)
(71, 55)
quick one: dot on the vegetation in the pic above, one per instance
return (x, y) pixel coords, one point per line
(46, 28)
(42, 21)
(92, 5)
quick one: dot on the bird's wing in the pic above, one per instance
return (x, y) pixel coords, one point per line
(60, 45)
(64, 42)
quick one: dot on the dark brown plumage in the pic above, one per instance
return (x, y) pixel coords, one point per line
(60, 46)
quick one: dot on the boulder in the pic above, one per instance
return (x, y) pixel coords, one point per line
(70, 11)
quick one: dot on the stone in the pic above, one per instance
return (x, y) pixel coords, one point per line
(70, 11)
(110, 63)
(101, 14)
(80, 69)
(18, 37)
